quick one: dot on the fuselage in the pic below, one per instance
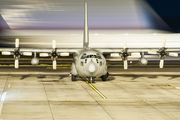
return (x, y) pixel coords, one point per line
(89, 63)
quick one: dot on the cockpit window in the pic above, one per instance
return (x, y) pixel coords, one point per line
(98, 56)
(83, 56)
(90, 56)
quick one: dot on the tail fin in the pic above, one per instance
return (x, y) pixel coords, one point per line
(86, 31)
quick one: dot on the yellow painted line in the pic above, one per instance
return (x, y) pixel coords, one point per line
(78, 84)
(57, 67)
(95, 89)
(161, 85)
(172, 86)
(99, 83)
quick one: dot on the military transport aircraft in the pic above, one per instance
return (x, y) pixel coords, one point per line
(88, 62)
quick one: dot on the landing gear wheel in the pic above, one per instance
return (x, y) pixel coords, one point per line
(103, 77)
(91, 80)
(107, 75)
(73, 78)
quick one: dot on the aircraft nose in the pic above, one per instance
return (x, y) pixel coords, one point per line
(92, 68)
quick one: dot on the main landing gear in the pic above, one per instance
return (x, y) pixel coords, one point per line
(73, 78)
(104, 77)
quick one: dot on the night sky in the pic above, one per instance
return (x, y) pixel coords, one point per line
(169, 11)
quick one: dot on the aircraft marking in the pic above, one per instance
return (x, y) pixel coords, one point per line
(104, 97)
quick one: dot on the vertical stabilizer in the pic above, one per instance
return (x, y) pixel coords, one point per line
(86, 31)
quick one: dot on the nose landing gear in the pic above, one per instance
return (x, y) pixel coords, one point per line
(91, 80)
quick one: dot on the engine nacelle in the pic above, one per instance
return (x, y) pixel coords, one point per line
(142, 61)
(34, 61)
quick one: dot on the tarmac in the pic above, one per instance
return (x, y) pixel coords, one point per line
(133, 94)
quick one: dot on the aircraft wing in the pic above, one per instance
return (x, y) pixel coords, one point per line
(125, 52)
(135, 50)
(52, 52)
(58, 50)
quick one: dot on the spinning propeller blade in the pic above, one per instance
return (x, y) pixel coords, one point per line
(125, 44)
(43, 54)
(125, 64)
(5, 53)
(164, 43)
(17, 43)
(54, 44)
(152, 52)
(54, 64)
(172, 54)
(161, 64)
(16, 63)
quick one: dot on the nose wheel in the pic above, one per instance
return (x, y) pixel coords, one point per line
(91, 80)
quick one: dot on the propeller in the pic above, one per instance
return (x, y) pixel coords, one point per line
(16, 63)
(162, 53)
(161, 63)
(54, 64)
(125, 64)
(54, 54)
(16, 53)
(124, 55)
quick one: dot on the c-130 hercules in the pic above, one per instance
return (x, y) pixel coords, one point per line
(87, 62)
